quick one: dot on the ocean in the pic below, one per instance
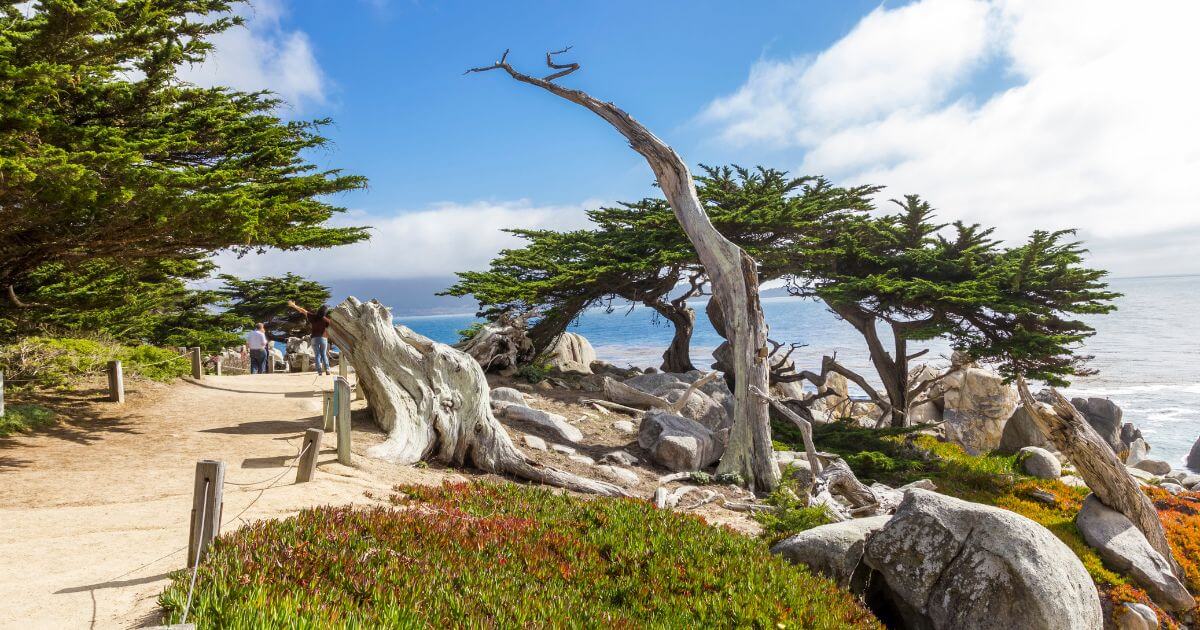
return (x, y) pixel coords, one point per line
(1147, 352)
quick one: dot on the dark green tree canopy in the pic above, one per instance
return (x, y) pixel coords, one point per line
(264, 300)
(638, 253)
(106, 154)
(148, 301)
(1013, 306)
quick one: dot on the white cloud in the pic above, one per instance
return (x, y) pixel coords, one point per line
(263, 55)
(1097, 131)
(434, 242)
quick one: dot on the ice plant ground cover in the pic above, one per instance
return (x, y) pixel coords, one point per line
(898, 456)
(503, 555)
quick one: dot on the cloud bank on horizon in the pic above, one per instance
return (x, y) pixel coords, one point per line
(1093, 127)
(428, 243)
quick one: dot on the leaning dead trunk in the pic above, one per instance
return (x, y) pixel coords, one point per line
(1098, 465)
(433, 401)
(733, 275)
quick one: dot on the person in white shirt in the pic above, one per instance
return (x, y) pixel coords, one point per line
(256, 341)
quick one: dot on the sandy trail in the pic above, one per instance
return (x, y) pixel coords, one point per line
(94, 519)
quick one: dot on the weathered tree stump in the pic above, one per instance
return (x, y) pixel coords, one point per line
(433, 400)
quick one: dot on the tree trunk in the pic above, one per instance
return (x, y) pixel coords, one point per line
(677, 358)
(432, 400)
(1098, 465)
(732, 273)
(553, 324)
(894, 382)
(499, 345)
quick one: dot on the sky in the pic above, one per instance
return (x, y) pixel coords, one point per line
(1022, 114)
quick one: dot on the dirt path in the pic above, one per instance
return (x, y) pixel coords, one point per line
(94, 516)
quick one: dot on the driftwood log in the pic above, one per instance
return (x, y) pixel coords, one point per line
(433, 401)
(1098, 465)
(733, 274)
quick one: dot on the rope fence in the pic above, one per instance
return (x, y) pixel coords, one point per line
(196, 568)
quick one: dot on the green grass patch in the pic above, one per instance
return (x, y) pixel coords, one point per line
(484, 555)
(25, 418)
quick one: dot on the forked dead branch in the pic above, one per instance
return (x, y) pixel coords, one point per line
(732, 272)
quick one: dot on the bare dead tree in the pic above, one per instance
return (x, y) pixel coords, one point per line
(732, 273)
(1098, 465)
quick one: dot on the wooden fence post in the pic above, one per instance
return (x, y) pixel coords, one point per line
(308, 458)
(197, 364)
(1, 394)
(327, 410)
(270, 360)
(304, 362)
(341, 402)
(343, 363)
(220, 360)
(207, 503)
(116, 382)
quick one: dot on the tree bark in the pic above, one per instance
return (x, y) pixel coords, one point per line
(894, 379)
(733, 275)
(433, 401)
(677, 358)
(500, 344)
(553, 324)
(1098, 465)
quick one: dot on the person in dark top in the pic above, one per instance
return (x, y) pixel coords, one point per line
(319, 323)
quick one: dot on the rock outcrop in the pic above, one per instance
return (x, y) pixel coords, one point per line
(678, 443)
(1040, 463)
(1123, 546)
(552, 423)
(711, 404)
(977, 403)
(1153, 466)
(1134, 616)
(571, 352)
(834, 550)
(1137, 451)
(1129, 433)
(1193, 458)
(1105, 417)
(947, 563)
(1020, 430)
(502, 396)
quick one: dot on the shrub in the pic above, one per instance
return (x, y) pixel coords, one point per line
(58, 362)
(483, 555)
(25, 418)
(534, 372)
(154, 363)
(468, 333)
(791, 514)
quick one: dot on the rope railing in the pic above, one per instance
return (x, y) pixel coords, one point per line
(196, 568)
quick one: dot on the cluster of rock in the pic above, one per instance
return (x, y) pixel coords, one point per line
(693, 438)
(511, 405)
(919, 558)
(941, 562)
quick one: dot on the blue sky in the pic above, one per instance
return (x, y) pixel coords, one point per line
(1016, 113)
(422, 132)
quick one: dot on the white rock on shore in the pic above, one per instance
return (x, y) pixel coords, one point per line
(1123, 546)
(955, 564)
